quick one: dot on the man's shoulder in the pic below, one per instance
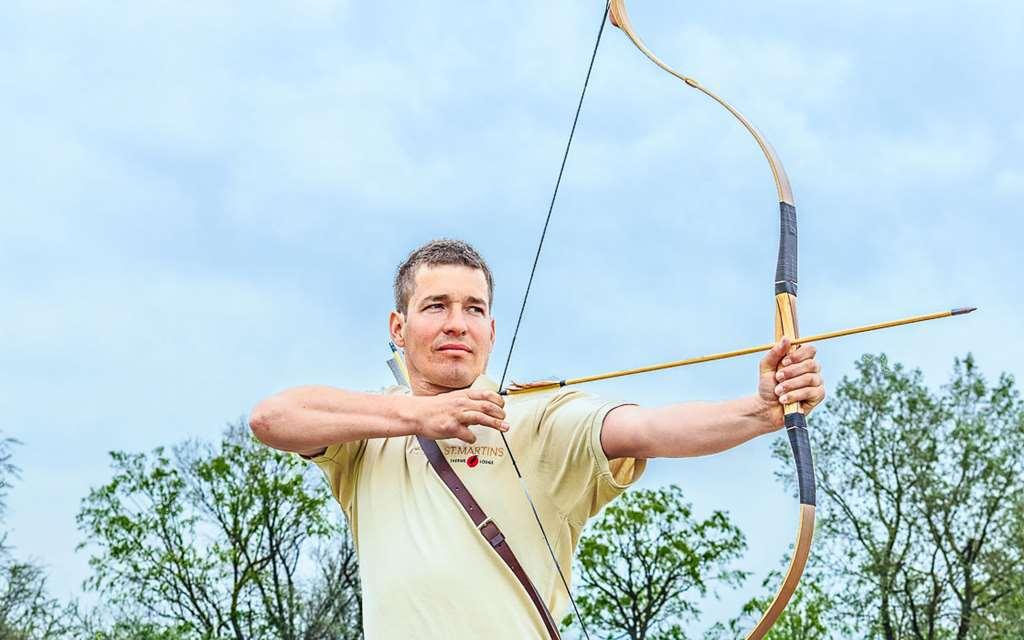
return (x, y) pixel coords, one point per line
(556, 407)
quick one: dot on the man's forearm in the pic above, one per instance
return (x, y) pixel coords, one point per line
(309, 419)
(686, 429)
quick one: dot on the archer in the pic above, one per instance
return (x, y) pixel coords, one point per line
(431, 567)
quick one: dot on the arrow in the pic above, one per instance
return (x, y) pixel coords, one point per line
(547, 385)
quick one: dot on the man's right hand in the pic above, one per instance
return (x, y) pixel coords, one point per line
(449, 415)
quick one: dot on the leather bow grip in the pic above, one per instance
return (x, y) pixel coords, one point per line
(786, 325)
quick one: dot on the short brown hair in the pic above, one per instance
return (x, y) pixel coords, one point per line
(435, 253)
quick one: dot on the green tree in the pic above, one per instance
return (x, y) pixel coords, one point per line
(646, 561)
(809, 615)
(234, 541)
(969, 492)
(920, 498)
(92, 625)
(26, 610)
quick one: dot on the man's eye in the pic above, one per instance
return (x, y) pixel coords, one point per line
(479, 310)
(436, 305)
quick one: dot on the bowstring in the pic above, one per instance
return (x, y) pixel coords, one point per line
(522, 311)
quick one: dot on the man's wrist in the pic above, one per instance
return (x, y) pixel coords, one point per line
(756, 409)
(407, 415)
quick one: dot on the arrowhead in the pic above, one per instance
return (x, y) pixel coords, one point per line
(962, 310)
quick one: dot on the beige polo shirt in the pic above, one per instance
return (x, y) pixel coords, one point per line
(425, 571)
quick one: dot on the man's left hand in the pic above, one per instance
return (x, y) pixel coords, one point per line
(789, 374)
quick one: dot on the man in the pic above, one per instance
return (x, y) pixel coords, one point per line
(425, 570)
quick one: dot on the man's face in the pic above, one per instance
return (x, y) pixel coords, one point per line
(447, 331)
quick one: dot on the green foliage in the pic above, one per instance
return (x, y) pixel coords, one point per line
(920, 507)
(26, 611)
(645, 562)
(807, 617)
(126, 629)
(209, 543)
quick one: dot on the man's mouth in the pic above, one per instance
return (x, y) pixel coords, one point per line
(454, 347)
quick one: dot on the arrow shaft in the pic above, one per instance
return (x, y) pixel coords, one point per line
(733, 354)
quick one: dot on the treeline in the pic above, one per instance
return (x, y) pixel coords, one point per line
(233, 541)
(920, 532)
(920, 537)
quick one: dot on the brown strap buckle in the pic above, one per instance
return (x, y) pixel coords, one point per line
(491, 532)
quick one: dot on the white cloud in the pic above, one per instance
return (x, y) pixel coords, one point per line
(1010, 182)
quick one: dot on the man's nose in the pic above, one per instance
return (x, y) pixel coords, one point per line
(456, 321)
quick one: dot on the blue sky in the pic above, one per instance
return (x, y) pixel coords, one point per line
(205, 204)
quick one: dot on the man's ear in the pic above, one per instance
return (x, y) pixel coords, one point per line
(493, 334)
(396, 327)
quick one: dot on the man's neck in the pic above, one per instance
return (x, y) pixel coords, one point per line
(420, 386)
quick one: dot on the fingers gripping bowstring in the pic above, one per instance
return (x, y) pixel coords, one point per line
(522, 311)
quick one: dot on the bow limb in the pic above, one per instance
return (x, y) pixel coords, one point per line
(620, 18)
(785, 325)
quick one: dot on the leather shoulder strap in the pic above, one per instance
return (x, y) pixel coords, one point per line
(487, 528)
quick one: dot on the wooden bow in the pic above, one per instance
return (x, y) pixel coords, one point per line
(785, 325)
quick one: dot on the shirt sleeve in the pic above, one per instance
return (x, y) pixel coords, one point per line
(340, 466)
(569, 458)
(340, 463)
